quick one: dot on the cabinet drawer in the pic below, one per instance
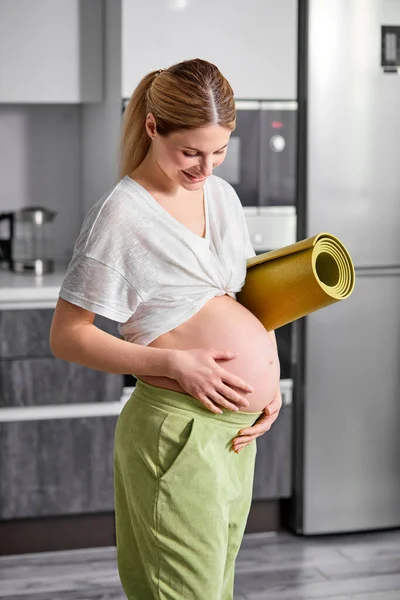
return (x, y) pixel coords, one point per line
(56, 467)
(273, 473)
(25, 333)
(49, 381)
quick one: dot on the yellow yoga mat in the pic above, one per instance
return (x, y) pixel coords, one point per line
(287, 284)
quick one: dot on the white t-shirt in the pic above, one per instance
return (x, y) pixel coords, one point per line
(135, 263)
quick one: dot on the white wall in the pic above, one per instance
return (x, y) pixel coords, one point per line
(40, 165)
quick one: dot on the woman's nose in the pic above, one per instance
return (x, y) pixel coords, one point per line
(207, 166)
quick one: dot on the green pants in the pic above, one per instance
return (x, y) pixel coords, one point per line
(182, 496)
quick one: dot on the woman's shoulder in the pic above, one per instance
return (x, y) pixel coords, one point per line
(116, 205)
(117, 211)
(118, 201)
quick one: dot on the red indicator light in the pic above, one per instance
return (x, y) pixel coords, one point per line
(277, 124)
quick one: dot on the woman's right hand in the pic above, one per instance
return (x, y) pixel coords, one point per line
(198, 373)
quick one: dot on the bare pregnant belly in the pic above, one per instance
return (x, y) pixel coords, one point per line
(224, 324)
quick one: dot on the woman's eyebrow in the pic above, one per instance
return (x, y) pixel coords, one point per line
(196, 150)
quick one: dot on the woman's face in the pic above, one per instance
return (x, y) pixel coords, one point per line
(188, 157)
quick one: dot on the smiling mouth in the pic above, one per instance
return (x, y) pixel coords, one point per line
(193, 178)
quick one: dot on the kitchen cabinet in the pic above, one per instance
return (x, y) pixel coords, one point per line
(54, 460)
(253, 43)
(25, 333)
(50, 381)
(51, 51)
(56, 467)
(273, 472)
(30, 375)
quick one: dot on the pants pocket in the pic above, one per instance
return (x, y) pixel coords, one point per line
(175, 437)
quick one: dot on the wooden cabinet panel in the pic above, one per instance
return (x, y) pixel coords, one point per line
(25, 333)
(30, 375)
(56, 467)
(50, 381)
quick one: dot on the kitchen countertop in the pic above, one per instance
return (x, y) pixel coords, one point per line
(26, 290)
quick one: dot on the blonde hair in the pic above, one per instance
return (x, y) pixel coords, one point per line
(188, 95)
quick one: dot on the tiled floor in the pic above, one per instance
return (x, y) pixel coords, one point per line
(269, 567)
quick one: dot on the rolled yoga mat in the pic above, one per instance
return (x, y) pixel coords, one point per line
(284, 285)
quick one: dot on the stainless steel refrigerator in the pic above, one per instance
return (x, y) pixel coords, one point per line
(347, 458)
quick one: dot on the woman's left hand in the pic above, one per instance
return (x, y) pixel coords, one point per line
(263, 424)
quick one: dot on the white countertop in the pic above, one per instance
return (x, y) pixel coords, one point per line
(26, 290)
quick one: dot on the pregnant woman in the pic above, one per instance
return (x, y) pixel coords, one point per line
(163, 254)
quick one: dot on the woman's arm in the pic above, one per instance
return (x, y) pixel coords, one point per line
(75, 338)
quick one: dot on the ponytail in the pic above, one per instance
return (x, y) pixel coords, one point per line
(134, 139)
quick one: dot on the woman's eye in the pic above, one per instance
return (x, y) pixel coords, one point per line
(198, 153)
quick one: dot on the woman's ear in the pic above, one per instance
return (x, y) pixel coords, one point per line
(151, 126)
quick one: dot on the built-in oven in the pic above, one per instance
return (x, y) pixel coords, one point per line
(261, 165)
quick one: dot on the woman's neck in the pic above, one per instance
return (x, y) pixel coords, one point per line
(151, 176)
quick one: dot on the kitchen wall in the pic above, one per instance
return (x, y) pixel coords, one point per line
(40, 165)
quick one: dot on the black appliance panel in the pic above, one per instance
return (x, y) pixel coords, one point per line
(278, 157)
(241, 165)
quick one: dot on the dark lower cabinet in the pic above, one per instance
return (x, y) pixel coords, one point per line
(25, 333)
(56, 467)
(50, 381)
(273, 473)
(30, 375)
(52, 467)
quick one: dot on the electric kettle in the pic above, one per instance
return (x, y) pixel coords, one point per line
(26, 240)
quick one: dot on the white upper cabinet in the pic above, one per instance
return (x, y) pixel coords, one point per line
(50, 51)
(253, 42)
